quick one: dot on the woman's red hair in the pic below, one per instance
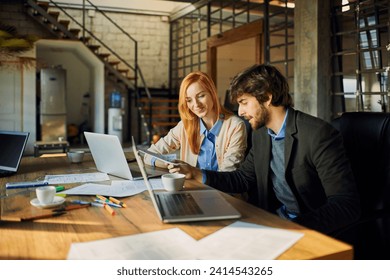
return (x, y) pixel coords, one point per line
(190, 120)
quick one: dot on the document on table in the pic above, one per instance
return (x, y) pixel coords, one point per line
(169, 244)
(239, 240)
(247, 241)
(121, 188)
(76, 178)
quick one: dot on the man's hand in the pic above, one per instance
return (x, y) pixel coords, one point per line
(184, 168)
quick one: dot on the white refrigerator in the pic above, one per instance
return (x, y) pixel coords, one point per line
(53, 104)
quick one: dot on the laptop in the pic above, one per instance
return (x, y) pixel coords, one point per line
(12, 145)
(108, 155)
(187, 206)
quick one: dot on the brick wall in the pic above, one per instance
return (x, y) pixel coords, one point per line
(151, 33)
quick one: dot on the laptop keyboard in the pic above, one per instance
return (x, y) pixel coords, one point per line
(182, 204)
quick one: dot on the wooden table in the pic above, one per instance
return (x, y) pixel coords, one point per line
(51, 238)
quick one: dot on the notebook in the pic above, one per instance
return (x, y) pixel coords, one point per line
(12, 145)
(187, 206)
(108, 155)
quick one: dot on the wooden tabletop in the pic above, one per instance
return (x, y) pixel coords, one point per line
(51, 238)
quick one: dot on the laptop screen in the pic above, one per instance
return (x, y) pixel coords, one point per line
(145, 177)
(12, 146)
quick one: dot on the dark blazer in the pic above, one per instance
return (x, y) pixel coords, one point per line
(317, 170)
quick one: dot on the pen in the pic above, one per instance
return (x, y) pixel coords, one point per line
(109, 203)
(105, 199)
(80, 202)
(109, 209)
(54, 214)
(97, 204)
(117, 202)
(32, 184)
(60, 188)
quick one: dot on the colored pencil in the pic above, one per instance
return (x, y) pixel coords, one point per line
(109, 209)
(117, 201)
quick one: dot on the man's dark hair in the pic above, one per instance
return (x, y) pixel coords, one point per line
(259, 81)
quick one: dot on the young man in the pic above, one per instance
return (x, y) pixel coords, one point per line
(296, 167)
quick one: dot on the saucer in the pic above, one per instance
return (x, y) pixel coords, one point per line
(57, 201)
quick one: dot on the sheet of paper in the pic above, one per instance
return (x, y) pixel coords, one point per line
(169, 244)
(239, 240)
(118, 188)
(76, 178)
(246, 241)
(139, 184)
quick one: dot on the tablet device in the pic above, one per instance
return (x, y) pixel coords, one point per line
(159, 157)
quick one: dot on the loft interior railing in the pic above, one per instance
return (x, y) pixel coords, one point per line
(134, 68)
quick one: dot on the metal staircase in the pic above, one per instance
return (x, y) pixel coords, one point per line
(162, 114)
(63, 25)
(116, 67)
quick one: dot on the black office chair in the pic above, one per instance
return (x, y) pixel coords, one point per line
(367, 142)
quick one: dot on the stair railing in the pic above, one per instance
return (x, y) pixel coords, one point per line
(135, 69)
(147, 123)
(85, 30)
(125, 33)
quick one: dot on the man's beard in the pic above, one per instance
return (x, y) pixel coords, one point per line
(261, 118)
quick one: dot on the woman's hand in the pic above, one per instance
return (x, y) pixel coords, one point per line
(159, 163)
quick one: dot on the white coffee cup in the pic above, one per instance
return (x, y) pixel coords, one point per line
(75, 156)
(45, 194)
(173, 181)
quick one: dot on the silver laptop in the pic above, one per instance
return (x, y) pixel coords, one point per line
(187, 206)
(108, 155)
(12, 145)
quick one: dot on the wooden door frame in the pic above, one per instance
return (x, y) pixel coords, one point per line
(250, 30)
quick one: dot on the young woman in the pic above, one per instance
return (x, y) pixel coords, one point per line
(208, 136)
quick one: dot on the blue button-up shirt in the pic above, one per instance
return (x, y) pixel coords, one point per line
(282, 131)
(207, 158)
(282, 211)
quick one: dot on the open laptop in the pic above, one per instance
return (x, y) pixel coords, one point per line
(12, 145)
(108, 155)
(187, 206)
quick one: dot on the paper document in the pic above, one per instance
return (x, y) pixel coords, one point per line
(169, 244)
(247, 241)
(76, 178)
(118, 188)
(239, 240)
